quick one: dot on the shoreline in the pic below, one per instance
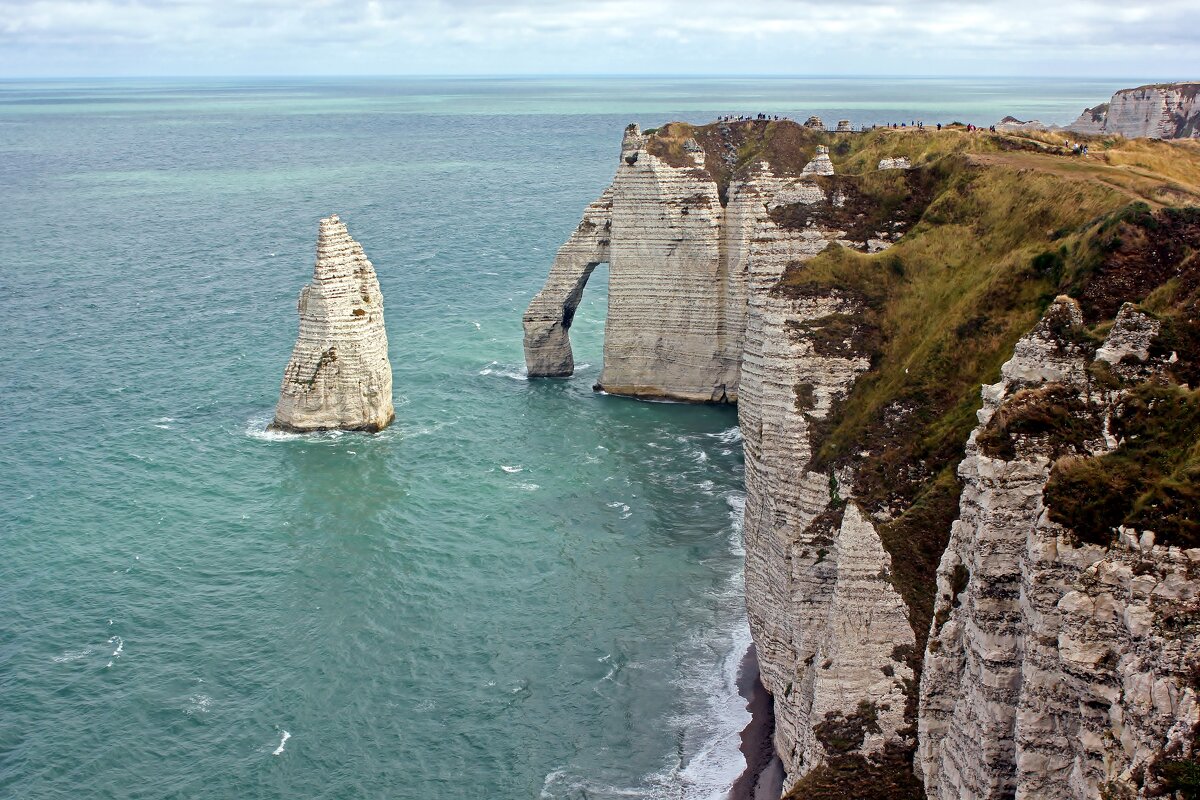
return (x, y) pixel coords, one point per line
(763, 776)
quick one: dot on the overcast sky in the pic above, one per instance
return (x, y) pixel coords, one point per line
(1102, 38)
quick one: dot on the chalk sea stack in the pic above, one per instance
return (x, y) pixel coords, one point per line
(339, 377)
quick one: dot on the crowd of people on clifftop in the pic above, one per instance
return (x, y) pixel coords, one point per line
(756, 117)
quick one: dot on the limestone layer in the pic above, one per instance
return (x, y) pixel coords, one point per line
(695, 313)
(1051, 672)
(338, 377)
(1163, 111)
(678, 250)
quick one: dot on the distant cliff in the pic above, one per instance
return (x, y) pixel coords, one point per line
(1159, 111)
(952, 593)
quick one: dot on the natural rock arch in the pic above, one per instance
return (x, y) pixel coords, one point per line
(549, 316)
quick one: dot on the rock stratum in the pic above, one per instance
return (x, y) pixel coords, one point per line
(1159, 111)
(952, 593)
(339, 376)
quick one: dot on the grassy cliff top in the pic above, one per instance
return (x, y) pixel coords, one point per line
(995, 226)
(1159, 173)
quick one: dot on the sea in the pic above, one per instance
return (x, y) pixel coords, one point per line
(522, 589)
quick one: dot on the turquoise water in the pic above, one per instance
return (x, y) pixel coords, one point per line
(520, 590)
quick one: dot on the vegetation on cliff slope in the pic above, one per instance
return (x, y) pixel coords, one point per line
(995, 227)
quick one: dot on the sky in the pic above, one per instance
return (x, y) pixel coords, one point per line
(1100, 38)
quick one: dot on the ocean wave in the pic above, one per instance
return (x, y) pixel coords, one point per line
(197, 704)
(728, 436)
(72, 655)
(505, 371)
(256, 428)
(282, 742)
(712, 758)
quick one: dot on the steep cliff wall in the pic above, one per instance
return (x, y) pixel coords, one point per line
(1161, 111)
(678, 228)
(868, 284)
(1067, 665)
(339, 376)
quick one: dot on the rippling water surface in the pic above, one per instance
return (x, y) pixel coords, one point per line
(520, 590)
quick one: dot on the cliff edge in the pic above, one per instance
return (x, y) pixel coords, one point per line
(951, 594)
(1158, 111)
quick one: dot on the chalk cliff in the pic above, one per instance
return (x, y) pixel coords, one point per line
(1057, 668)
(925, 620)
(1160, 111)
(339, 376)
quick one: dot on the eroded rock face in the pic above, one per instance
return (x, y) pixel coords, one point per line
(696, 313)
(339, 376)
(549, 316)
(679, 251)
(1049, 672)
(1164, 111)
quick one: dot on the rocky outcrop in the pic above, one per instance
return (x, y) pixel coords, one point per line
(1051, 672)
(679, 246)
(338, 377)
(696, 313)
(676, 306)
(1055, 666)
(547, 344)
(1160, 111)
(894, 163)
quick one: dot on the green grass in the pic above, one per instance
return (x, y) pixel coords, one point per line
(1150, 482)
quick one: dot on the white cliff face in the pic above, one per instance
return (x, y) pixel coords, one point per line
(549, 316)
(676, 310)
(676, 305)
(1049, 673)
(695, 313)
(1168, 111)
(338, 377)
(679, 278)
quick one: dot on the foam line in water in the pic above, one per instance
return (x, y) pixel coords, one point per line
(716, 711)
(282, 741)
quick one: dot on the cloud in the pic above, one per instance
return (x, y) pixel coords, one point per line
(612, 36)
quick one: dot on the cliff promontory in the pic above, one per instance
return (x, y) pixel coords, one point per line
(338, 377)
(953, 593)
(1158, 111)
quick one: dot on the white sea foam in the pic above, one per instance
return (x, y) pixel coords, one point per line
(282, 741)
(528, 487)
(72, 655)
(198, 704)
(729, 436)
(503, 371)
(712, 758)
(512, 470)
(120, 643)
(256, 428)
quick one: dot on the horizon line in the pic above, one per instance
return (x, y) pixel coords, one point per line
(592, 75)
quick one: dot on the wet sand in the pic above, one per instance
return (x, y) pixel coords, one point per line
(763, 778)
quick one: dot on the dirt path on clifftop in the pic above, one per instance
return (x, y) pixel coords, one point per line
(1132, 181)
